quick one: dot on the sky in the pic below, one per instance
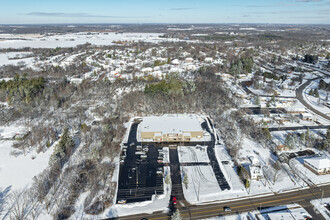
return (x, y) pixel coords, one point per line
(165, 11)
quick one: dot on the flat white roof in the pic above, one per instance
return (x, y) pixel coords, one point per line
(319, 162)
(171, 123)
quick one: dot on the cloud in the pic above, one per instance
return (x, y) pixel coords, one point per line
(259, 6)
(272, 6)
(180, 9)
(308, 0)
(310, 17)
(75, 15)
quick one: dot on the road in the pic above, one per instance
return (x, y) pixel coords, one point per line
(299, 127)
(302, 197)
(300, 97)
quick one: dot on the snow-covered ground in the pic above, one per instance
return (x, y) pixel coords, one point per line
(166, 152)
(17, 172)
(285, 212)
(202, 184)
(320, 206)
(282, 92)
(14, 58)
(280, 136)
(309, 176)
(8, 132)
(74, 39)
(191, 154)
(275, 181)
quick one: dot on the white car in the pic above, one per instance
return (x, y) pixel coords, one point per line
(227, 209)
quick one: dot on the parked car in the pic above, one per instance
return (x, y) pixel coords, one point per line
(121, 202)
(227, 209)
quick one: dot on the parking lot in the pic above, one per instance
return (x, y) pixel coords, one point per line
(142, 168)
(141, 174)
(288, 156)
(213, 160)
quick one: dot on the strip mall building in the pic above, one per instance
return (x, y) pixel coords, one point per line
(171, 128)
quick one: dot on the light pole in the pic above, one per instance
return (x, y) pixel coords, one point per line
(322, 195)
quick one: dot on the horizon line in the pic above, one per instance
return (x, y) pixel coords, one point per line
(163, 23)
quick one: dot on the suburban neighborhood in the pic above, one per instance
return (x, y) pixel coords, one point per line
(205, 121)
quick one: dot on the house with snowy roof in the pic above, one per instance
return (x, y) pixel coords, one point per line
(318, 165)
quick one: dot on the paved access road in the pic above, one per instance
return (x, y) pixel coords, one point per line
(299, 127)
(302, 197)
(300, 97)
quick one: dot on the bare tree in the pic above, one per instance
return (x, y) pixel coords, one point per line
(22, 204)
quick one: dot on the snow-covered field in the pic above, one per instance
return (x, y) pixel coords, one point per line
(72, 40)
(17, 172)
(14, 58)
(191, 154)
(202, 184)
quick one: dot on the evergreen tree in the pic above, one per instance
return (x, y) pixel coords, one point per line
(289, 141)
(63, 149)
(247, 183)
(176, 215)
(168, 179)
(266, 134)
(185, 180)
(257, 100)
(311, 92)
(316, 93)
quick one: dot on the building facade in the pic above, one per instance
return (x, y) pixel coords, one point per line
(171, 128)
(318, 165)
